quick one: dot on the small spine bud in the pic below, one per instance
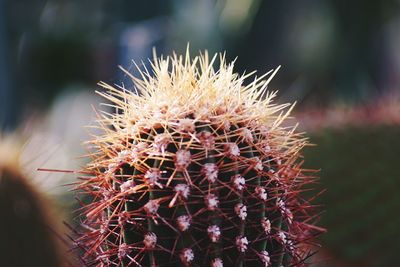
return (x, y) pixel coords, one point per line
(261, 193)
(207, 139)
(238, 182)
(183, 222)
(257, 164)
(127, 186)
(264, 256)
(241, 211)
(241, 243)
(232, 150)
(182, 190)
(214, 233)
(182, 159)
(210, 171)
(150, 241)
(187, 256)
(282, 237)
(266, 225)
(152, 176)
(151, 207)
(247, 135)
(161, 142)
(211, 202)
(217, 263)
(123, 250)
(186, 126)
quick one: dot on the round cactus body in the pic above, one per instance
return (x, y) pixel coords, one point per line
(194, 168)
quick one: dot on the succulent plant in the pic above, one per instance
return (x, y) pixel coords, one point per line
(194, 168)
(29, 230)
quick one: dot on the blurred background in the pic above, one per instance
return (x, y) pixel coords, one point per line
(340, 60)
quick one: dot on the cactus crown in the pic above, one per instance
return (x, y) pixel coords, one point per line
(195, 169)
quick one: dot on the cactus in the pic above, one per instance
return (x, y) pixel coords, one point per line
(29, 230)
(194, 168)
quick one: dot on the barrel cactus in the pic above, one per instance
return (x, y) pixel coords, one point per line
(195, 168)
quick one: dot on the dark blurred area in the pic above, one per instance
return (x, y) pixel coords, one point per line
(328, 49)
(338, 58)
(34, 244)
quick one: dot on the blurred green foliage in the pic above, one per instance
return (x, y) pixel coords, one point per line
(360, 170)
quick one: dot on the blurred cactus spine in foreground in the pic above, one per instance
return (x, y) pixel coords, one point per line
(195, 168)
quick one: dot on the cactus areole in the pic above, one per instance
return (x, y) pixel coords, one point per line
(195, 167)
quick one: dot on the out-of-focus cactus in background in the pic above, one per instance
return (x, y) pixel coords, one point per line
(30, 234)
(195, 169)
